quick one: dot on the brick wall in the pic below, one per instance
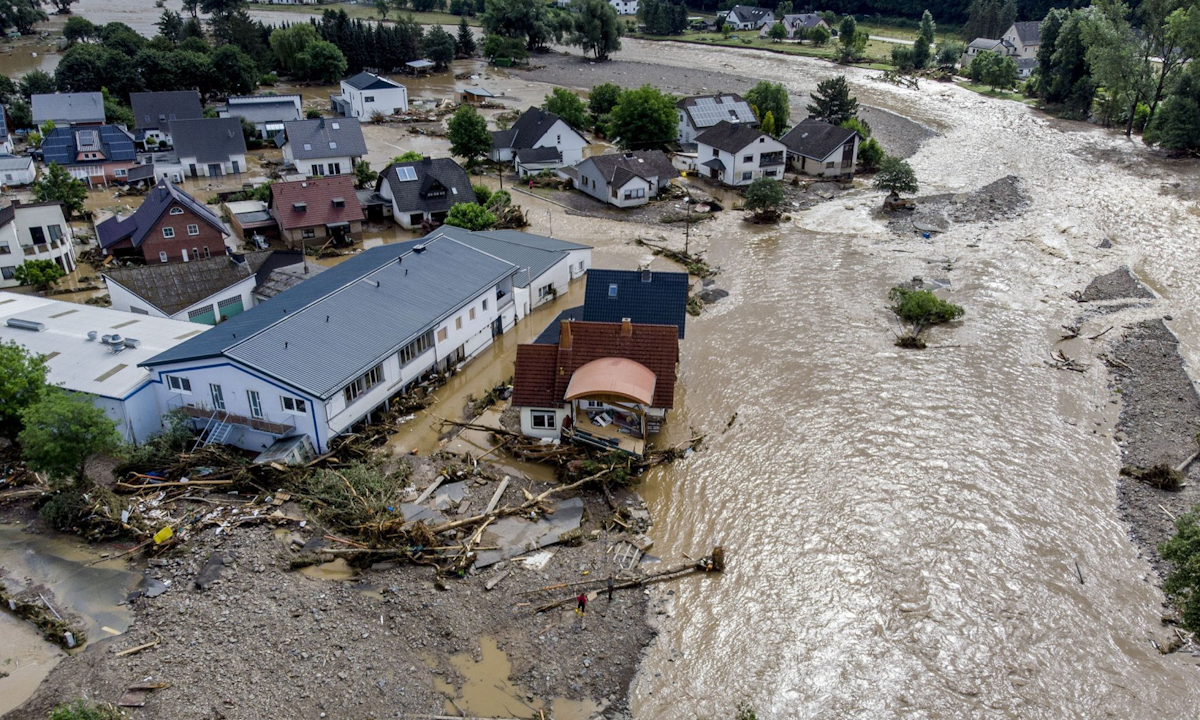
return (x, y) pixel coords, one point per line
(209, 238)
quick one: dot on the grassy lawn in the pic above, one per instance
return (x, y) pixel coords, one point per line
(368, 12)
(879, 54)
(985, 90)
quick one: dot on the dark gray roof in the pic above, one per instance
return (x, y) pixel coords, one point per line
(325, 137)
(15, 162)
(153, 110)
(553, 331)
(538, 155)
(537, 257)
(83, 107)
(985, 44)
(264, 108)
(816, 139)
(366, 81)
(618, 168)
(440, 185)
(749, 13)
(172, 287)
(645, 297)
(526, 131)
(208, 139)
(708, 110)
(805, 20)
(141, 172)
(135, 227)
(328, 330)
(3, 123)
(1029, 32)
(728, 136)
(290, 271)
(714, 163)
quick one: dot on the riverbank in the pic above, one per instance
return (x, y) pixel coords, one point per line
(326, 639)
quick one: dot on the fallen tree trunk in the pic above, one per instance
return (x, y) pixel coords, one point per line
(713, 563)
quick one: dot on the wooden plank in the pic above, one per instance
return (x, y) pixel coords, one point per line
(495, 581)
(496, 497)
(429, 490)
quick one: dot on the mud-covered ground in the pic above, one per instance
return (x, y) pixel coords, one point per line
(1003, 199)
(898, 135)
(265, 640)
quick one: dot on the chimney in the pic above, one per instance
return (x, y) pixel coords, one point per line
(626, 328)
(645, 274)
(564, 336)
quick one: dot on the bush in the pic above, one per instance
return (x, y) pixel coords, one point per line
(903, 57)
(482, 194)
(870, 154)
(312, 113)
(64, 510)
(269, 79)
(41, 274)
(919, 310)
(471, 216)
(1141, 115)
(83, 710)
(1183, 581)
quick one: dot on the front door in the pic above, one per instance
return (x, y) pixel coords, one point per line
(214, 169)
(192, 170)
(236, 169)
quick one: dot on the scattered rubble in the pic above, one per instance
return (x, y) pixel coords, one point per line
(1116, 285)
(1003, 199)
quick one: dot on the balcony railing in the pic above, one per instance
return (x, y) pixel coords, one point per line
(269, 428)
(44, 247)
(770, 159)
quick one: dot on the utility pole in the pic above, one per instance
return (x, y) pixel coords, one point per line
(550, 219)
(687, 227)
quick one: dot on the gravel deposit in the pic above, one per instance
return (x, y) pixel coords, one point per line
(1116, 285)
(898, 135)
(267, 641)
(1002, 199)
(1160, 416)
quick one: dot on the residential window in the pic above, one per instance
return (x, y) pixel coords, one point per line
(416, 348)
(747, 175)
(176, 211)
(747, 158)
(485, 304)
(368, 98)
(363, 383)
(255, 404)
(202, 314)
(472, 313)
(308, 233)
(162, 256)
(293, 405)
(179, 384)
(546, 290)
(315, 171)
(828, 164)
(458, 323)
(558, 140)
(442, 333)
(218, 397)
(138, 311)
(335, 168)
(206, 253)
(37, 235)
(715, 153)
(612, 290)
(183, 252)
(632, 194)
(55, 232)
(168, 232)
(120, 172)
(195, 253)
(542, 419)
(769, 173)
(8, 272)
(193, 229)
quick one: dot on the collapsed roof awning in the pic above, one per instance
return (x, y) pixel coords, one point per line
(620, 378)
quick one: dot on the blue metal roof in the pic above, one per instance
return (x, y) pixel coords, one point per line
(645, 297)
(328, 330)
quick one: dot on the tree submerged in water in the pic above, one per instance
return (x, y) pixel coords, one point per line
(919, 310)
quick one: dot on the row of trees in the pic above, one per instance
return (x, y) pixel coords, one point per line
(592, 25)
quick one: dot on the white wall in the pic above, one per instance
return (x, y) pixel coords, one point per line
(389, 101)
(818, 168)
(16, 237)
(568, 142)
(227, 166)
(19, 177)
(735, 165)
(127, 301)
(624, 7)
(305, 167)
(527, 427)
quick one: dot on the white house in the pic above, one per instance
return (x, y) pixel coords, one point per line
(207, 147)
(323, 146)
(625, 179)
(205, 291)
(545, 267)
(98, 351)
(537, 128)
(6, 141)
(268, 113)
(1022, 39)
(747, 17)
(822, 149)
(38, 231)
(739, 155)
(700, 112)
(366, 94)
(17, 170)
(625, 7)
(798, 23)
(319, 358)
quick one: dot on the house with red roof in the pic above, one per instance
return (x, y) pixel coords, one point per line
(604, 384)
(317, 210)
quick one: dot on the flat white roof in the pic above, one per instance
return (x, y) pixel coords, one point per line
(83, 365)
(244, 206)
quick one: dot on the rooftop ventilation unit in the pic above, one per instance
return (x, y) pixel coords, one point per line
(92, 335)
(26, 324)
(114, 339)
(132, 342)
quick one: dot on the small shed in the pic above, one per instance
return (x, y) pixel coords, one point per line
(476, 96)
(419, 67)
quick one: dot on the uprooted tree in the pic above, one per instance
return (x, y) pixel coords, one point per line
(919, 310)
(1183, 582)
(764, 197)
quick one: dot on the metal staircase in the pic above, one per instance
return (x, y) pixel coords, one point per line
(216, 430)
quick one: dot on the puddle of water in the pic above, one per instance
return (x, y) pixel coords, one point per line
(333, 570)
(486, 690)
(90, 592)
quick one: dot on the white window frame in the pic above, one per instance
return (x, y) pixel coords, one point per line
(178, 383)
(255, 401)
(293, 405)
(193, 229)
(162, 256)
(363, 384)
(543, 419)
(218, 396)
(176, 211)
(545, 290)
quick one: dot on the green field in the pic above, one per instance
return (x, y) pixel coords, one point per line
(878, 54)
(368, 12)
(985, 90)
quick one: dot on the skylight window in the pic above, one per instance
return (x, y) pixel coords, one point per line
(332, 145)
(308, 146)
(406, 173)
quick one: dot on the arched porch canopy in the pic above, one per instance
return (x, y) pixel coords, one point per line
(618, 379)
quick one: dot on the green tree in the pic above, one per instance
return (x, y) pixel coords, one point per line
(644, 119)
(896, 176)
(468, 134)
(78, 29)
(783, 8)
(21, 15)
(1182, 583)
(1172, 35)
(22, 381)
(832, 101)
(41, 274)
(852, 41)
(764, 197)
(471, 216)
(170, 25)
(288, 44)
(483, 194)
(904, 57)
(1065, 78)
(568, 106)
(664, 17)
(383, 6)
(767, 124)
(819, 35)
(603, 98)
(114, 112)
(235, 71)
(56, 184)
(36, 82)
(323, 62)
(595, 27)
(464, 44)
(948, 53)
(1176, 125)
(498, 46)
(525, 20)
(870, 154)
(767, 97)
(1000, 72)
(1118, 59)
(408, 156)
(919, 310)
(364, 176)
(924, 41)
(777, 33)
(439, 47)
(62, 431)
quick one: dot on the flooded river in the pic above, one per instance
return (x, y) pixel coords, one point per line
(903, 527)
